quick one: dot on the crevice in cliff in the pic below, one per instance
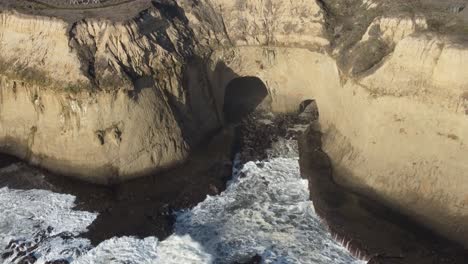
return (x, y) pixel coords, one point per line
(86, 54)
(170, 9)
(226, 31)
(30, 143)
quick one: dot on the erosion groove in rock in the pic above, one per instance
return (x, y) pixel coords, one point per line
(109, 100)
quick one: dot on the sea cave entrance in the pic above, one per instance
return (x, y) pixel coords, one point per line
(243, 96)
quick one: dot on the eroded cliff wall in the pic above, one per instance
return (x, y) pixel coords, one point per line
(399, 134)
(100, 100)
(390, 88)
(392, 94)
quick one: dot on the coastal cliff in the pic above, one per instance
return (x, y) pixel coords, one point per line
(110, 100)
(104, 101)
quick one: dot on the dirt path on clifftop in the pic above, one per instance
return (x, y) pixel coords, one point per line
(115, 10)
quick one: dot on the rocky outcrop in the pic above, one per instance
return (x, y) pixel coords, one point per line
(257, 22)
(367, 228)
(124, 98)
(400, 135)
(99, 100)
(393, 29)
(394, 128)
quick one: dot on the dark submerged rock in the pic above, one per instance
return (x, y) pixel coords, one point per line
(59, 261)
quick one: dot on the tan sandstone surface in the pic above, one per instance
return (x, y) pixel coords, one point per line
(125, 98)
(100, 100)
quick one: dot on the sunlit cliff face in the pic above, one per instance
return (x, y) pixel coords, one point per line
(109, 101)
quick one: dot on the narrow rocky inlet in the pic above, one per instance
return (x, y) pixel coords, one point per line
(264, 214)
(221, 131)
(139, 213)
(367, 228)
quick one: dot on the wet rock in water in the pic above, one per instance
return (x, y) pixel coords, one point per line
(7, 160)
(257, 259)
(213, 190)
(59, 261)
(389, 260)
(260, 130)
(308, 110)
(29, 259)
(7, 254)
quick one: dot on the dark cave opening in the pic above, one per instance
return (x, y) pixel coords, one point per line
(308, 109)
(243, 96)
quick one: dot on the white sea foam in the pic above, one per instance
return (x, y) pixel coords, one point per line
(265, 210)
(122, 250)
(44, 221)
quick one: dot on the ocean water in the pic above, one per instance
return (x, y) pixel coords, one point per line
(264, 211)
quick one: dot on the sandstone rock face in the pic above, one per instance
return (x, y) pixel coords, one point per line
(393, 29)
(125, 98)
(99, 100)
(402, 134)
(289, 77)
(37, 47)
(257, 22)
(396, 132)
(265, 39)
